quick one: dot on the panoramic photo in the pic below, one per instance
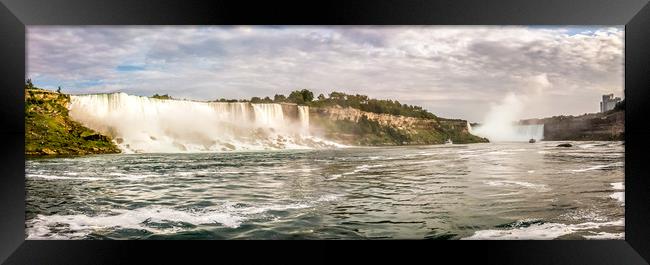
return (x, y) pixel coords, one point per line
(325, 132)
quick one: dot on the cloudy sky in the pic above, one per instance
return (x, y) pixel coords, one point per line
(453, 71)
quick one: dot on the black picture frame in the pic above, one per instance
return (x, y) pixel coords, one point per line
(634, 14)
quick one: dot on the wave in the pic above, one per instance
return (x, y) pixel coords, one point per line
(596, 167)
(605, 235)
(511, 183)
(357, 169)
(544, 231)
(52, 177)
(618, 185)
(365, 167)
(230, 215)
(114, 176)
(619, 196)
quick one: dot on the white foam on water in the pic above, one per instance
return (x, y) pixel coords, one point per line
(499, 153)
(113, 176)
(504, 194)
(618, 185)
(52, 177)
(619, 196)
(424, 162)
(585, 215)
(605, 235)
(544, 231)
(329, 197)
(79, 225)
(128, 219)
(357, 169)
(586, 145)
(596, 167)
(511, 183)
(333, 177)
(364, 167)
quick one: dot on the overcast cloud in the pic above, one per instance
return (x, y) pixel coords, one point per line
(453, 71)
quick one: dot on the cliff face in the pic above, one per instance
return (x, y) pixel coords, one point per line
(50, 131)
(608, 126)
(356, 127)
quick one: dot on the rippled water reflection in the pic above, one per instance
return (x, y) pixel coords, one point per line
(478, 191)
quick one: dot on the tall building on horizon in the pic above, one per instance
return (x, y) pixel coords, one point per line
(609, 102)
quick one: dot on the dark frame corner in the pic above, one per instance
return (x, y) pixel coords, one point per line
(634, 14)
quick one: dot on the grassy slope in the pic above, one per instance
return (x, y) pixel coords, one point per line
(50, 131)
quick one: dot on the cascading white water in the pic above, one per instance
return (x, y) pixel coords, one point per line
(527, 132)
(511, 133)
(233, 111)
(303, 116)
(270, 115)
(142, 124)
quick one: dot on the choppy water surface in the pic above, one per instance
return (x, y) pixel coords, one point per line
(478, 191)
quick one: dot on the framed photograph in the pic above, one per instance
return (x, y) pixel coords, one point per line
(515, 129)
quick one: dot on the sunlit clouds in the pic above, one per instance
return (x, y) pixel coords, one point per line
(452, 71)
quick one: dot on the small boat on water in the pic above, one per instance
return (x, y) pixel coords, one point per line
(531, 141)
(449, 141)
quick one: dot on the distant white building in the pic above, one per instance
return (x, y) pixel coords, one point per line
(609, 102)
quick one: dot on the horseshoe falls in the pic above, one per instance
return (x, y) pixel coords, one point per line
(148, 125)
(510, 132)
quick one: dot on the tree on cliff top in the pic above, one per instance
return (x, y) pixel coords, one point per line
(364, 103)
(165, 96)
(28, 84)
(301, 96)
(279, 98)
(620, 106)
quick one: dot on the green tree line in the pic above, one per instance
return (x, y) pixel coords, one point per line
(361, 102)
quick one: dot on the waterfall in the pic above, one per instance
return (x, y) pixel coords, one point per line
(232, 111)
(142, 124)
(303, 116)
(527, 132)
(269, 115)
(510, 132)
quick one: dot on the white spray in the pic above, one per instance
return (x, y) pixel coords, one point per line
(142, 124)
(500, 123)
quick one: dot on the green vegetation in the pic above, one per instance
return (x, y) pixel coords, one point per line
(49, 130)
(361, 102)
(362, 132)
(379, 106)
(368, 132)
(165, 96)
(620, 106)
(28, 84)
(302, 97)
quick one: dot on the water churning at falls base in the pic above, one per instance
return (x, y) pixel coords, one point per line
(148, 125)
(500, 123)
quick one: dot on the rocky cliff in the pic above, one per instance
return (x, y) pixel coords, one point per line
(50, 131)
(355, 127)
(608, 126)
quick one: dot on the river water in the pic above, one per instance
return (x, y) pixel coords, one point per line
(476, 191)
